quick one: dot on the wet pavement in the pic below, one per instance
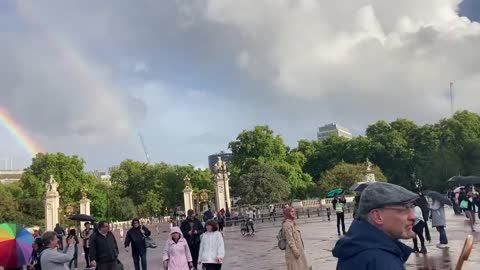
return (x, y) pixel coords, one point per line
(260, 251)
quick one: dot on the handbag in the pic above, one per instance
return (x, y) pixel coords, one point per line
(464, 204)
(149, 242)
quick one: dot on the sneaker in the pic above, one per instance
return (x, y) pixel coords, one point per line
(423, 250)
(442, 246)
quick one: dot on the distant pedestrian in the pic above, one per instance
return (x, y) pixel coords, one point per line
(339, 206)
(85, 235)
(385, 214)
(72, 234)
(60, 234)
(221, 219)
(294, 253)
(176, 254)
(103, 248)
(439, 222)
(212, 248)
(466, 203)
(192, 229)
(50, 257)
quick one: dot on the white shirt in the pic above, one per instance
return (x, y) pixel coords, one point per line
(211, 247)
(249, 214)
(418, 215)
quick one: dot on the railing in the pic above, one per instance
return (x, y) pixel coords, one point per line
(306, 214)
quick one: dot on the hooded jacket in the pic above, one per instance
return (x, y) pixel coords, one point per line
(365, 247)
(177, 254)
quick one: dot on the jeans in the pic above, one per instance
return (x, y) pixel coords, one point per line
(341, 219)
(140, 257)
(443, 235)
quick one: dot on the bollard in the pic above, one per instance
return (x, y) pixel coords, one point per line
(328, 213)
(318, 211)
(297, 214)
(308, 212)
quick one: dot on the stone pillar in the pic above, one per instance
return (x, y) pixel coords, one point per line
(188, 199)
(84, 209)
(52, 204)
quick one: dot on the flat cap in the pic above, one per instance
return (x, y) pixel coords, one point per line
(380, 194)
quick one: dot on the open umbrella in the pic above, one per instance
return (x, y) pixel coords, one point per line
(464, 180)
(359, 187)
(81, 217)
(15, 245)
(334, 192)
(437, 197)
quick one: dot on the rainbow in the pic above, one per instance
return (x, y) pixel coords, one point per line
(20, 135)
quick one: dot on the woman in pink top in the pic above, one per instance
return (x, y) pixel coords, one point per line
(176, 254)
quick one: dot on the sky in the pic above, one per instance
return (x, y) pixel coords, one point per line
(86, 77)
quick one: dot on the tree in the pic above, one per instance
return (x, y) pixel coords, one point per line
(67, 171)
(344, 175)
(259, 143)
(8, 205)
(262, 184)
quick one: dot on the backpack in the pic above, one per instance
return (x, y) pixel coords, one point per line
(282, 242)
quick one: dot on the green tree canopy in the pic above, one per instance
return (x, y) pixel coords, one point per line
(344, 175)
(262, 184)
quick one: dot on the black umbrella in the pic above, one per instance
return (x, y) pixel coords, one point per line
(81, 217)
(464, 180)
(359, 187)
(437, 197)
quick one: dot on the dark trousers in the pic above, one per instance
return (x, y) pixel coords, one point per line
(60, 241)
(220, 227)
(341, 219)
(250, 223)
(74, 261)
(194, 250)
(87, 256)
(418, 229)
(140, 257)
(107, 266)
(212, 266)
(443, 235)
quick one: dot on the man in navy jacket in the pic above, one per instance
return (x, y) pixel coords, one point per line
(385, 214)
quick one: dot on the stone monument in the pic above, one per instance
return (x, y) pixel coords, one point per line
(222, 187)
(369, 174)
(84, 205)
(187, 194)
(52, 204)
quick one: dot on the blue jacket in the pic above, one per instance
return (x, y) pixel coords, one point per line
(365, 247)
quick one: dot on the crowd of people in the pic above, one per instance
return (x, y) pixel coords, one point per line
(383, 215)
(192, 245)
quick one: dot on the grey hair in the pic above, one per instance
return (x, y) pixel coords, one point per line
(48, 237)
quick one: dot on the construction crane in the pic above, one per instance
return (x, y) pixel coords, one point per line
(144, 147)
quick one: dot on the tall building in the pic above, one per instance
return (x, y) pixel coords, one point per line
(212, 159)
(329, 130)
(10, 176)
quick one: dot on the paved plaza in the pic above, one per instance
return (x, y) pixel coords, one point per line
(260, 251)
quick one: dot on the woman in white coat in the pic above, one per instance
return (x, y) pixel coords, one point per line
(212, 249)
